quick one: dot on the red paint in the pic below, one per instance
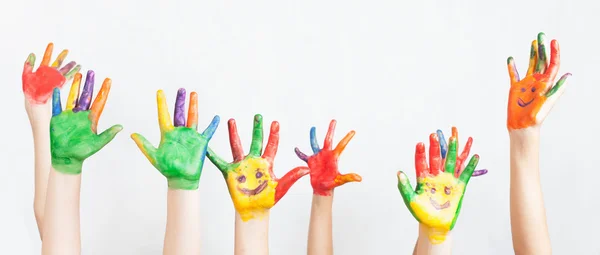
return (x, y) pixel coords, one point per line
(286, 182)
(38, 86)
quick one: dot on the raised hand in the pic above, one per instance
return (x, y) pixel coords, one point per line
(252, 184)
(180, 154)
(73, 134)
(38, 85)
(437, 199)
(323, 164)
(461, 160)
(530, 99)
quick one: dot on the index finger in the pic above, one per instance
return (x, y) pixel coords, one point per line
(47, 55)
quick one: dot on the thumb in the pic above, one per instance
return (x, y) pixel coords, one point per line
(286, 182)
(145, 146)
(29, 64)
(345, 178)
(105, 137)
(406, 190)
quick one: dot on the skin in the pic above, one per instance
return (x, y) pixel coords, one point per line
(527, 213)
(180, 158)
(437, 199)
(324, 178)
(37, 88)
(252, 184)
(73, 139)
(182, 149)
(73, 136)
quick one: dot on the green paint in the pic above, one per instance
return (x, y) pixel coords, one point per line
(509, 60)
(451, 157)
(257, 136)
(179, 157)
(541, 64)
(559, 84)
(72, 140)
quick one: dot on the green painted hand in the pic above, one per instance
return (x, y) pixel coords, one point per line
(180, 155)
(73, 136)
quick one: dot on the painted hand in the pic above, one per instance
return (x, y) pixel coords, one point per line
(180, 154)
(323, 164)
(530, 99)
(38, 85)
(252, 184)
(73, 136)
(461, 160)
(437, 199)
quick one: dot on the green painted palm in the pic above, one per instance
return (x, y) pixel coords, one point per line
(181, 152)
(73, 136)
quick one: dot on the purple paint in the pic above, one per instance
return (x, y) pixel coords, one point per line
(86, 95)
(179, 118)
(479, 172)
(301, 155)
(65, 69)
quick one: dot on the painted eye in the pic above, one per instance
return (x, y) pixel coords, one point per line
(428, 185)
(259, 175)
(447, 191)
(241, 179)
(533, 89)
(432, 190)
(523, 89)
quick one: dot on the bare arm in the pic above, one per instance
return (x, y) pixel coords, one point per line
(39, 118)
(252, 236)
(183, 233)
(61, 227)
(527, 212)
(320, 240)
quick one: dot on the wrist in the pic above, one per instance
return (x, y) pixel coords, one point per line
(428, 245)
(252, 236)
(524, 133)
(182, 184)
(67, 165)
(433, 236)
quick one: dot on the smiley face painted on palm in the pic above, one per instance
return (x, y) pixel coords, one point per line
(252, 181)
(437, 199)
(526, 94)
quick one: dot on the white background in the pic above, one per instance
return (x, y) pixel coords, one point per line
(394, 71)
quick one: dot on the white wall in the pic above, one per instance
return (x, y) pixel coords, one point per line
(394, 71)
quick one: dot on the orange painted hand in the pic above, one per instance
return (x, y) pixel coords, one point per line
(530, 99)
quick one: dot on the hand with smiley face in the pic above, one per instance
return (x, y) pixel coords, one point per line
(441, 185)
(531, 98)
(324, 174)
(180, 155)
(252, 184)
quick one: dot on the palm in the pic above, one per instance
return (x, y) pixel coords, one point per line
(180, 155)
(72, 136)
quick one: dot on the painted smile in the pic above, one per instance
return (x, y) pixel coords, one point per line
(522, 103)
(437, 206)
(252, 192)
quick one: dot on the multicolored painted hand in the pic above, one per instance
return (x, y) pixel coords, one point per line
(437, 199)
(73, 136)
(530, 99)
(252, 184)
(38, 85)
(462, 158)
(323, 164)
(180, 154)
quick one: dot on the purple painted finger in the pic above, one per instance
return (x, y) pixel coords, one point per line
(179, 116)
(479, 172)
(85, 99)
(301, 155)
(65, 69)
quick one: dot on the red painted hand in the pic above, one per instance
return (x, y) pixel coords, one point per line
(324, 174)
(38, 85)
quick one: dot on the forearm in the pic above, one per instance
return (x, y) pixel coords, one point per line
(61, 224)
(424, 245)
(252, 236)
(527, 213)
(320, 240)
(183, 224)
(39, 118)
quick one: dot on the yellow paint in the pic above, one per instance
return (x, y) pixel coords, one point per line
(251, 206)
(74, 92)
(164, 119)
(438, 220)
